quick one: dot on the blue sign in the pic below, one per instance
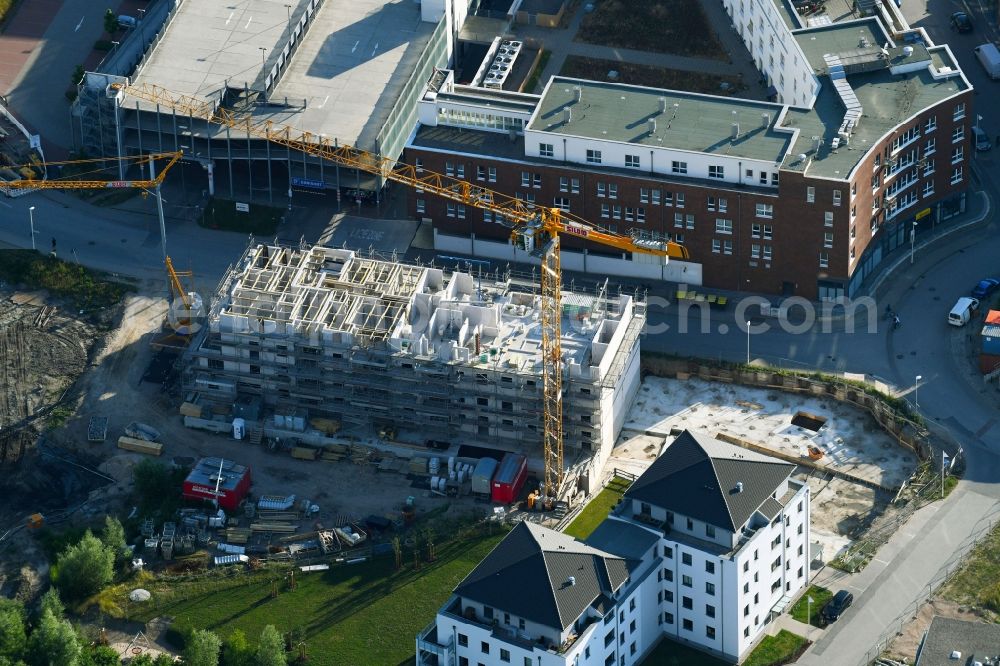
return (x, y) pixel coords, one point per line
(305, 182)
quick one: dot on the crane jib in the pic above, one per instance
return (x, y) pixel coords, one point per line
(576, 231)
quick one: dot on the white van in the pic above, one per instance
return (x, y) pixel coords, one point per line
(962, 312)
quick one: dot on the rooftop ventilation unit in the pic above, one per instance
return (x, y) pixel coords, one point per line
(739, 486)
(736, 131)
(663, 104)
(577, 93)
(652, 125)
(567, 116)
(765, 120)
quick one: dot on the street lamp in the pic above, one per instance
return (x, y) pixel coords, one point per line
(288, 11)
(913, 236)
(916, 392)
(263, 56)
(31, 222)
(748, 343)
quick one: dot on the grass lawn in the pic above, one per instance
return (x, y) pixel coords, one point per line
(643, 75)
(598, 509)
(782, 648)
(977, 583)
(660, 26)
(222, 214)
(820, 595)
(354, 614)
(669, 653)
(84, 288)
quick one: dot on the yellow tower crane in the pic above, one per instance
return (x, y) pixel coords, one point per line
(535, 230)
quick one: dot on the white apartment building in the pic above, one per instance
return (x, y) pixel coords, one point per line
(707, 545)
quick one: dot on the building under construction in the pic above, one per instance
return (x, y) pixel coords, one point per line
(322, 333)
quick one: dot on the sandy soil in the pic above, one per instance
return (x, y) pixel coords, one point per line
(908, 640)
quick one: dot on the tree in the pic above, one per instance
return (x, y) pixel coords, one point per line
(270, 648)
(142, 660)
(101, 655)
(236, 650)
(110, 22)
(113, 538)
(51, 601)
(13, 638)
(202, 649)
(53, 643)
(78, 75)
(84, 568)
(163, 659)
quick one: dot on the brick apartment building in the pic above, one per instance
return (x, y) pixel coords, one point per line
(867, 141)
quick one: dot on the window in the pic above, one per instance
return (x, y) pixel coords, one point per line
(689, 223)
(632, 161)
(640, 215)
(488, 612)
(958, 134)
(765, 211)
(656, 198)
(525, 179)
(668, 575)
(828, 239)
(484, 647)
(754, 254)
(723, 227)
(668, 596)
(679, 167)
(605, 210)
(616, 212)
(546, 150)
(688, 625)
(810, 194)
(824, 260)
(755, 230)
(686, 558)
(612, 190)
(956, 175)
(460, 171)
(451, 209)
(679, 220)
(687, 603)
(520, 623)
(449, 168)
(727, 246)
(767, 253)
(421, 206)
(480, 172)
(461, 211)
(746, 634)
(643, 195)
(593, 156)
(574, 185)
(629, 214)
(463, 640)
(562, 203)
(563, 184)
(631, 627)
(928, 188)
(668, 618)
(668, 552)
(709, 567)
(504, 655)
(463, 661)
(930, 124)
(959, 111)
(723, 205)
(686, 581)
(492, 174)
(768, 231)
(929, 168)
(679, 199)
(906, 138)
(709, 610)
(710, 633)
(536, 180)
(602, 189)
(716, 246)
(710, 589)
(957, 154)
(716, 171)
(746, 610)
(631, 604)
(710, 203)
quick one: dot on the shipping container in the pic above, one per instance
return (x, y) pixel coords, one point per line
(510, 477)
(988, 363)
(482, 477)
(233, 483)
(991, 339)
(140, 445)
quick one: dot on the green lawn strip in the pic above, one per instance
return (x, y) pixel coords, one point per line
(820, 595)
(778, 649)
(259, 220)
(977, 582)
(581, 67)
(354, 614)
(597, 510)
(85, 289)
(659, 26)
(669, 653)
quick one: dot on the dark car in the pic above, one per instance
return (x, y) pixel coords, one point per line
(985, 287)
(960, 21)
(836, 606)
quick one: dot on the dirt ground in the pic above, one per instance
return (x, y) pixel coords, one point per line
(908, 640)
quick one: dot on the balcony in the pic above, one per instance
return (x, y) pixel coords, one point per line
(430, 652)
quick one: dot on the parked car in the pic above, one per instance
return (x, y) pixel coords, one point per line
(985, 288)
(981, 139)
(961, 22)
(834, 608)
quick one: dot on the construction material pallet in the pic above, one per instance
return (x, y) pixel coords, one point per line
(97, 429)
(283, 528)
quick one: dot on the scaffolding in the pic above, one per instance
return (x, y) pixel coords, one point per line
(375, 344)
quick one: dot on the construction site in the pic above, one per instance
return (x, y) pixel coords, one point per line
(308, 345)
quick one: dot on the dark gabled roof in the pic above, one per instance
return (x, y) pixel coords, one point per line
(623, 539)
(697, 476)
(972, 639)
(527, 575)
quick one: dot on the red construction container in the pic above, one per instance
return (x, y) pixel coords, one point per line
(233, 483)
(988, 363)
(510, 477)
(993, 317)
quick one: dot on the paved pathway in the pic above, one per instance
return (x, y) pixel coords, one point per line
(21, 38)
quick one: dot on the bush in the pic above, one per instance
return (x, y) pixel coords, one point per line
(84, 568)
(270, 648)
(202, 649)
(53, 642)
(13, 638)
(113, 538)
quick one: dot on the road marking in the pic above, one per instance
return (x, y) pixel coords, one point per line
(355, 46)
(77, 29)
(230, 17)
(248, 23)
(375, 49)
(6, 204)
(982, 431)
(875, 559)
(324, 102)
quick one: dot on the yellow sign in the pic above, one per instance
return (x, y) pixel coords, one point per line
(924, 213)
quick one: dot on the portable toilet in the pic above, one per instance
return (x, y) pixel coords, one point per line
(239, 428)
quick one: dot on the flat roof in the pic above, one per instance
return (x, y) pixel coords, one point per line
(348, 71)
(695, 122)
(887, 99)
(971, 639)
(206, 472)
